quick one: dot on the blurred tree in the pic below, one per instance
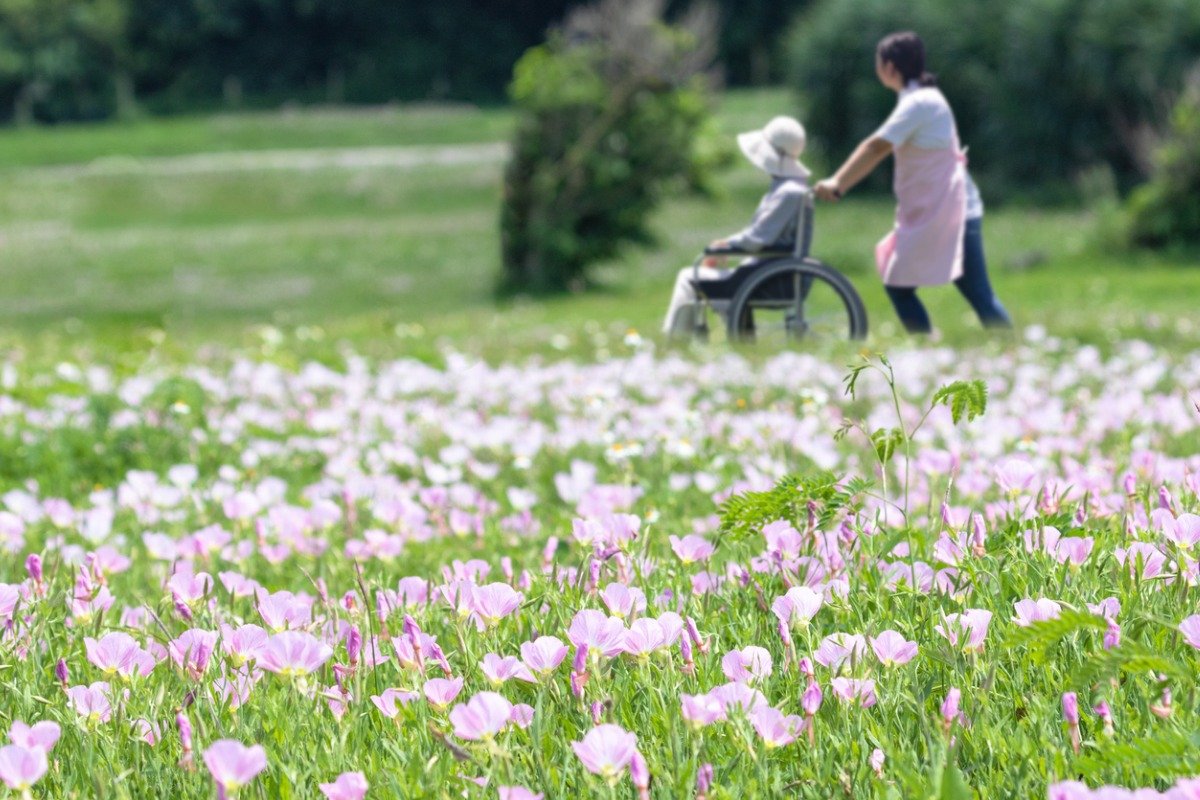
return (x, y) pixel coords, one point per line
(751, 37)
(1166, 211)
(609, 112)
(60, 57)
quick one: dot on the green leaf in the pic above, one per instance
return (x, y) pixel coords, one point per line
(1130, 658)
(886, 442)
(1041, 636)
(1169, 754)
(954, 785)
(966, 399)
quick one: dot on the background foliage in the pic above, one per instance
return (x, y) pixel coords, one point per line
(609, 113)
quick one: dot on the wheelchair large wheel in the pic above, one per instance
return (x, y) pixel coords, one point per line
(796, 300)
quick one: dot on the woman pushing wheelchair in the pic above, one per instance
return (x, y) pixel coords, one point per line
(937, 237)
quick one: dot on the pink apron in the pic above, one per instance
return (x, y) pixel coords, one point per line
(925, 247)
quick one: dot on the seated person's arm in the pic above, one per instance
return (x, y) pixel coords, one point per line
(771, 220)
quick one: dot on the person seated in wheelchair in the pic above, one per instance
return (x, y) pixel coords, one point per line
(775, 150)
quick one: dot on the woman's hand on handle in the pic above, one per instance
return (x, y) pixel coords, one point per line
(829, 190)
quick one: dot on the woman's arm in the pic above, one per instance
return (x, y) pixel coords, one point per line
(865, 158)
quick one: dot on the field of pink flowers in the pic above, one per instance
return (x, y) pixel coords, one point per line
(642, 576)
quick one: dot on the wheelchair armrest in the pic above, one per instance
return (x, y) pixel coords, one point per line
(725, 251)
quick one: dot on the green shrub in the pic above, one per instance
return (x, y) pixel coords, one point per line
(1167, 209)
(610, 109)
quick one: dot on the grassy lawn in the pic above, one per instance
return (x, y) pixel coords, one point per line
(399, 256)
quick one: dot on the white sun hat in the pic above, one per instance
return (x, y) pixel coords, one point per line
(776, 148)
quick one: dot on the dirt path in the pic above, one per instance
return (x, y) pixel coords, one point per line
(307, 160)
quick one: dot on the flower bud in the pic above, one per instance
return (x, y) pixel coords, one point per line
(877, 759)
(1105, 714)
(580, 661)
(62, 673)
(950, 710)
(704, 780)
(33, 565)
(811, 699)
(1070, 707)
(353, 645)
(639, 772)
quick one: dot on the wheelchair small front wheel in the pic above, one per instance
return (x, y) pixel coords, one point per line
(796, 300)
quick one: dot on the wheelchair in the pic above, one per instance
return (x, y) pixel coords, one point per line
(780, 295)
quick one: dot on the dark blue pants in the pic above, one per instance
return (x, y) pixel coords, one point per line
(974, 285)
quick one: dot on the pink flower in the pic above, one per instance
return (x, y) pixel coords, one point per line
(517, 793)
(243, 644)
(233, 765)
(91, 702)
(606, 750)
(1109, 608)
(749, 664)
(966, 630)
(119, 655)
(644, 637)
(1190, 628)
(500, 669)
(797, 608)
(440, 692)
(284, 611)
(1184, 531)
(522, 715)
(348, 786)
(491, 603)
(623, 601)
(192, 650)
(22, 767)
(602, 634)
(774, 727)
(852, 690)
(1016, 475)
(737, 697)
(190, 589)
(1147, 555)
(293, 653)
(782, 539)
(482, 717)
(838, 649)
(1031, 611)
(42, 734)
(543, 655)
(691, 549)
(891, 648)
(1073, 549)
(701, 710)
(387, 702)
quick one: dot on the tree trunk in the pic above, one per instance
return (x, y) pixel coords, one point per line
(127, 107)
(23, 105)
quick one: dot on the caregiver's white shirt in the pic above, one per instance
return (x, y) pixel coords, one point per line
(923, 119)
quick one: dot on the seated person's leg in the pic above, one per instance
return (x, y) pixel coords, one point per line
(910, 309)
(681, 319)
